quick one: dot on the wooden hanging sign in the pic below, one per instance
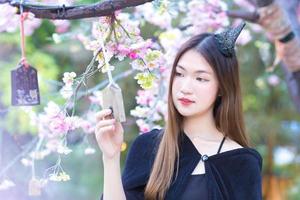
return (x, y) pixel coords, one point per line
(112, 98)
(24, 86)
(34, 187)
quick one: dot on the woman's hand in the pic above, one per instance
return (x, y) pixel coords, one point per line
(109, 134)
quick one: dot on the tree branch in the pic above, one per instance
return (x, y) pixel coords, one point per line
(263, 3)
(75, 12)
(251, 16)
(243, 14)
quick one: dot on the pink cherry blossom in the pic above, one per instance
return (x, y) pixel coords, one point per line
(133, 55)
(87, 126)
(52, 144)
(96, 98)
(273, 80)
(144, 97)
(10, 21)
(122, 49)
(58, 126)
(143, 126)
(61, 26)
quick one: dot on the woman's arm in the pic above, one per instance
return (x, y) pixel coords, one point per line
(109, 134)
(136, 170)
(113, 187)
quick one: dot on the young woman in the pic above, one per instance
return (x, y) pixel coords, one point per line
(203, 152)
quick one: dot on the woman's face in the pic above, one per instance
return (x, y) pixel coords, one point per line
(195, 80)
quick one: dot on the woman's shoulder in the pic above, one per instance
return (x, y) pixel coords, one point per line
(230, 144)
(140, 158)
(233, 151)
(149, 137)
(146, 142)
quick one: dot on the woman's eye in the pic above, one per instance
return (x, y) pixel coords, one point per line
(177, 74)
(201, 80)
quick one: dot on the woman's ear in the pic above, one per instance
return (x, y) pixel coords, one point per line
(219, 93)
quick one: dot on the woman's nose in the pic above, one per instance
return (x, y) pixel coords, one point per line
(186, 86)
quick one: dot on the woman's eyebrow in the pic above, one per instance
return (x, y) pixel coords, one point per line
(197, 71)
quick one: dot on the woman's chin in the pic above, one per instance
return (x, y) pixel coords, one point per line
(186, 112)
(189, 112)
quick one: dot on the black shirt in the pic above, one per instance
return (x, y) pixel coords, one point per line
(196, 187)
(230, 175)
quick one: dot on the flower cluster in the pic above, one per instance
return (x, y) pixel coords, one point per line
(149, 110)
(145, 80)
(10, 21)
(121, 39)
(53, 125)
(140, 112)
(151, 14)
(6, 184)
(206, 16)
(62, 176)
(89, 151)
(145, 97)
(67, 89)
(37, 155)
(54, 122)
(152, 60)
(124, 42)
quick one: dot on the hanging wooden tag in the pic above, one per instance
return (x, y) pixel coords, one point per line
(24, 86)
(34, 188)
(112, 98)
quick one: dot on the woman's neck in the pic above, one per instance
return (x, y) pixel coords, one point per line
(202, 127)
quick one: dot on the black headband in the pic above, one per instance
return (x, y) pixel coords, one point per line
(226, 40)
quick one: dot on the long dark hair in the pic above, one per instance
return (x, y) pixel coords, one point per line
(227, 112)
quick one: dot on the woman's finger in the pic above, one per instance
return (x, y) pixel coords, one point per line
(103, 113)
(106, 122)
(101, 129)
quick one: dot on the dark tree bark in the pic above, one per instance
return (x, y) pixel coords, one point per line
(104, 8)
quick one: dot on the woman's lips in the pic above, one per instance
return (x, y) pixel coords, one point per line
(185, 102)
